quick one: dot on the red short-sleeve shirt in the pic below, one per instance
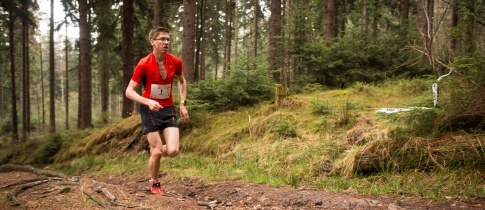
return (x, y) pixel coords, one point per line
(155, 87)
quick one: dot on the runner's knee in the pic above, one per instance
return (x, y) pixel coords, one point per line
(172, 152)
(156, 153)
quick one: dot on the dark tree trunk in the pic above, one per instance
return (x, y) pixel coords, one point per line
(127, 57)
(454, 24)
(52, 103)
(188, 39)
(157, 13)
(67, 77)
(404, 18)
(275, 40)
(227, 37)
(85, 99)
(331, 12)
(11, 28)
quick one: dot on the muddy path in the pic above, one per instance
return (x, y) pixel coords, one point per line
(24, 189)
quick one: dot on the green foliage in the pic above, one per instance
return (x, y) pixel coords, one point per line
(6, 127)
(422, 121)
(414, 86)
(243, 88)
(284, 128)
(320, 107)
(305, 84)
(44, 154)
(463, 96)
(348, 60)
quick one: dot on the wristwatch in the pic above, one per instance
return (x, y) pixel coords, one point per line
(183, 102)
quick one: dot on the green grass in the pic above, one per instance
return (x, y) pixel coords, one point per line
(312, 141)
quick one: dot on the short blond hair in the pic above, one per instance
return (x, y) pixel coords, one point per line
(157, 30)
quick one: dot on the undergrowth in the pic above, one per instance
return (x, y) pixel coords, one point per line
(327, 140)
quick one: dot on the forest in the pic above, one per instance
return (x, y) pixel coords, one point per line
(55, 83)
(280, 92)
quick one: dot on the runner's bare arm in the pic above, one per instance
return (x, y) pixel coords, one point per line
(134, 96)
(182, 84)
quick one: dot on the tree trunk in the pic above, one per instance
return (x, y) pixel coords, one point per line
(127, 57)
(188, 39)
(157, 13)
(85, 98)
(52, 103)
(42, 85)
(25, 57)
(66, 43)
(425, 25)
(454, 24)
(275, 40)
(198, 41)
(255, 30)
(227, 37)
(236, 34)
(286, 71)
(404, 18)
(105, 46)
(331, 12)
(11, 28)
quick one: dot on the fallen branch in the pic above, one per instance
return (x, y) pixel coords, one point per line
(105, 192)
(104, 205)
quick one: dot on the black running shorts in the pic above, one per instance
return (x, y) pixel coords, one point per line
(152, 121)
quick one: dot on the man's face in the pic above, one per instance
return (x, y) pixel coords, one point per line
(161, 42)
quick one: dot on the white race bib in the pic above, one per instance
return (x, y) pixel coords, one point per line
(160, 91)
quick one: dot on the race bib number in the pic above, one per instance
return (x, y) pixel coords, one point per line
(160, 91)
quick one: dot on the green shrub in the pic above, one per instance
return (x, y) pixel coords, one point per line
(6, 127)
(464, 96)
(284, 128)
(243, 88)
(320, 107)
(44, 154)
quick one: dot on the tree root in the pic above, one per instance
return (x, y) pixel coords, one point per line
(57, 179)
(45, 176)
(12, 196)
(27, 168)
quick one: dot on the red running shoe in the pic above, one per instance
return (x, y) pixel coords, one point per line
(156, 188)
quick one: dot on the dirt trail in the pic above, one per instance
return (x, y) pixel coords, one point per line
(132, 192)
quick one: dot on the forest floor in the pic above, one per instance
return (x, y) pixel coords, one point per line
(24, 189)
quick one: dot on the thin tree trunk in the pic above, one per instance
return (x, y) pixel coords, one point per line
(404, 18)
(331, 12)
(24, 73)
(236, 34)
(198, 39)
(255, 30)
(67, 76)
(188, 39)
(275, 40)
(127, 56)
(454, 24)
(52, 105)
(157, 13)
(227, 37)
(287, 45)
(42, 85)
(11, 27)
